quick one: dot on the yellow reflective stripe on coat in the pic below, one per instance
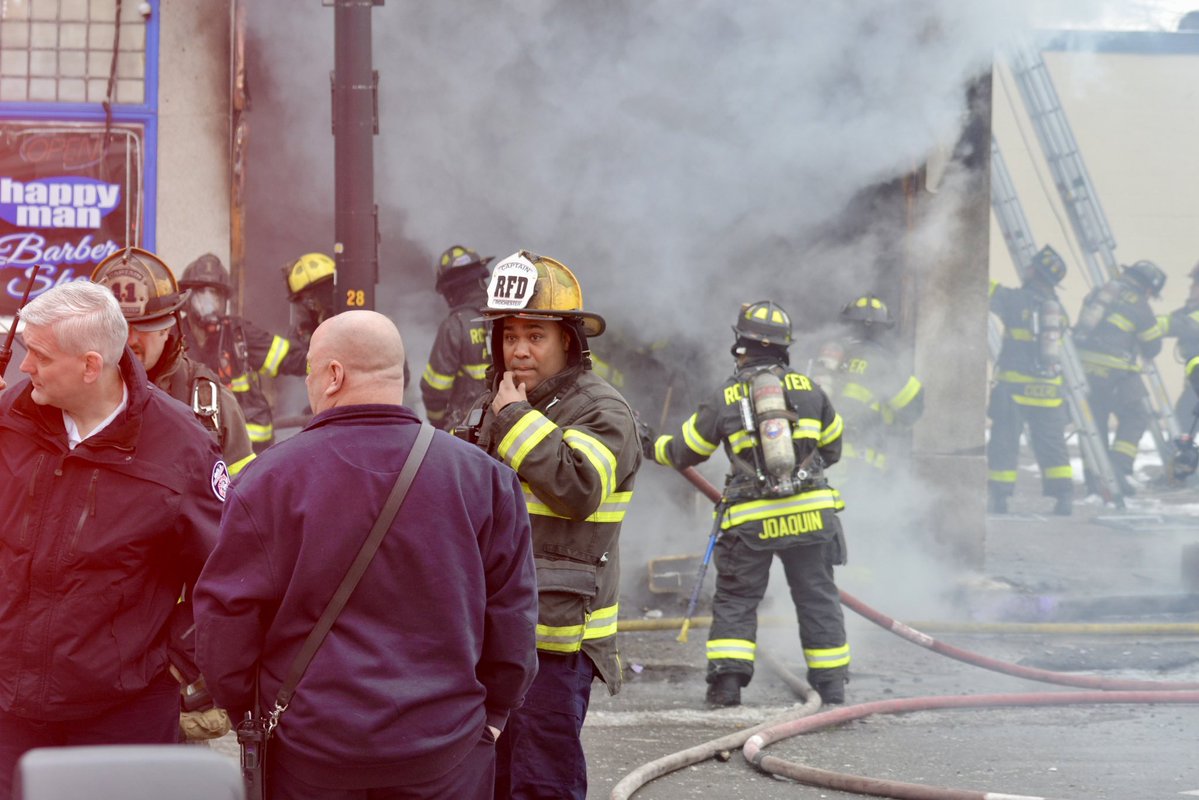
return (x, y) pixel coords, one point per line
(1021, 334)
(601, 623)
(1122, 322)
(1125, 448)
(275, 356)
(832, 432)
(661, 453)
(740, 649)
(260, 433)
(561, 639)
(528, 431)
(1038, 402)
(742, 440)
(1194, 362)
(434, 416)
(1011, 376)
(238, 466)
(1093, 359)
(436, 379)
(1059, 472)
(611, 509)
(475, 371)
(826, 657)
(1002, 476)
(856, 391)
(597, 454)
(868, 455)
(1151, 333)
(693, 439)
(240, 384)
(806, 428)
(816, 500)
(907, 394)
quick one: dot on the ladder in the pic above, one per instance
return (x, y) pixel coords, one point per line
(1018, 236)
(1086, 216)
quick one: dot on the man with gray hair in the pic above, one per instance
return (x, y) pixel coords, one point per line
(110, 499)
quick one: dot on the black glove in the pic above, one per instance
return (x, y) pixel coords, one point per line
(645, 434)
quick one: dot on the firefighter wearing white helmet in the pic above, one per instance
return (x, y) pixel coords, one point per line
(573, 441)
(454, 376)
(1116, 333)
(779, 431)
(151, 301)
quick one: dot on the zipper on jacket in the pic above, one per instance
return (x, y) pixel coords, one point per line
(89, 510)
(37, 467)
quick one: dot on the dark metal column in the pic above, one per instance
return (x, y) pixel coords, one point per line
(355, 122)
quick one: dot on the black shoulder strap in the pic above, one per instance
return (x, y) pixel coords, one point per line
(363, 560)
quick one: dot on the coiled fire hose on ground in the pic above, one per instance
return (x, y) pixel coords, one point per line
(805, 720)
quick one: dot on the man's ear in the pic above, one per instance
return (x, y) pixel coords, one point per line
(337, 378)
(93, 366)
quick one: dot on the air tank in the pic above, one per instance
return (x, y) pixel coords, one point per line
(774, 427)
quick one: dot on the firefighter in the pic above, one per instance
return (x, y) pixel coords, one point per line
(309, 282)
(151, 301)
(237, 350)
(573, 441)
(454, 376)
(876, 397)
(1027, 386)
(1183, 324)
(1117, 331)
(780, 432)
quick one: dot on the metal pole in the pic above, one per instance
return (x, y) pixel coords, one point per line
(355, 122)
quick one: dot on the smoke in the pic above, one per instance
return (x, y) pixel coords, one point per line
(680, 157)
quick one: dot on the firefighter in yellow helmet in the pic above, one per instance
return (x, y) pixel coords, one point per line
(876, 394)
(453, 378)
(309, 282)
(779, 431)
(572, 439)
(150, 301)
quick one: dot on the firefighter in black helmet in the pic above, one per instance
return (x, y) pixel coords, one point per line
(1116, 332)
(780, 432)
(876, 395)
(1027, 388)
(573, 441)
(453, 378)
(237, 350)
(152, 304)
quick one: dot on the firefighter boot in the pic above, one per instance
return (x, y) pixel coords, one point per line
(829, 684)
(1064, 505)
(997, 503)
(724, 689)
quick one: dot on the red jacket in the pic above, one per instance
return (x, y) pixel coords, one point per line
(96, 544)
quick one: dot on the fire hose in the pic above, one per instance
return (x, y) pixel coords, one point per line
(803, 720)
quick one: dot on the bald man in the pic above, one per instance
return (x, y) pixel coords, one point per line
(410, 689)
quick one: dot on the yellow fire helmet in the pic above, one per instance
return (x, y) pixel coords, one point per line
(308, 270)
(538, 287)
(144, 286)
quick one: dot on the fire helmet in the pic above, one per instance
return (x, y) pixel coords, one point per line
(763, 322)
(530, 286)
(867, 310)
(144, 286)
(307, 271)
(1046, 265)
(1149, 275)
(207, 271)
(459, 266)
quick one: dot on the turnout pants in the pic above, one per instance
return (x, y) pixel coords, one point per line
(741, 577)
(539, 756)
(1120, 393)
(1046, 435)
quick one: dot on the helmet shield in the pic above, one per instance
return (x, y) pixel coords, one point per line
(144, 288)
(528, 285)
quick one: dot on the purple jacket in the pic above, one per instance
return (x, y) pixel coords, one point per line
(436, 640)
(96, 544)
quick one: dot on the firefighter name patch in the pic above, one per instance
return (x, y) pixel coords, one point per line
(220, 480)
(512, 283)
